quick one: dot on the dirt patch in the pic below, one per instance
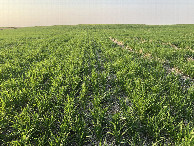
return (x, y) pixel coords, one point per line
(190, 59)
(147, 55)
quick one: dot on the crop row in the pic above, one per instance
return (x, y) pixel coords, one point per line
(72, 85)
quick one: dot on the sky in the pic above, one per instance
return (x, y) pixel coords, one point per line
(22, 13)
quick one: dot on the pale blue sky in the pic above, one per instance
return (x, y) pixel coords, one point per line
(59, 12)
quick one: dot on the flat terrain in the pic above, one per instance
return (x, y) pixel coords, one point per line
(97, 85)
(4, 28)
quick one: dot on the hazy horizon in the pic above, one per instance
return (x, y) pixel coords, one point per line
(25, 13)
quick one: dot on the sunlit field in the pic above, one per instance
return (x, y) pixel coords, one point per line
(97, 85)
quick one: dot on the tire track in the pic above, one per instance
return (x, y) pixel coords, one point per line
(149, 56)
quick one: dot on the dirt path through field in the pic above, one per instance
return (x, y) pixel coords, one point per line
(175, 47)
(165, 64)
(164, 43)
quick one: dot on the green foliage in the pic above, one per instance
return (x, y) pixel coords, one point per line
(71, 85)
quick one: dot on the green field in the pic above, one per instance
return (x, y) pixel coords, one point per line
(97, 85)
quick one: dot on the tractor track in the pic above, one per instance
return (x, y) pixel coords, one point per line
(147, 55)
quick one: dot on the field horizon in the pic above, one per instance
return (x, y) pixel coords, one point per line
(97, 24)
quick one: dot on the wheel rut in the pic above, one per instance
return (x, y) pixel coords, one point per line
(147, 55)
